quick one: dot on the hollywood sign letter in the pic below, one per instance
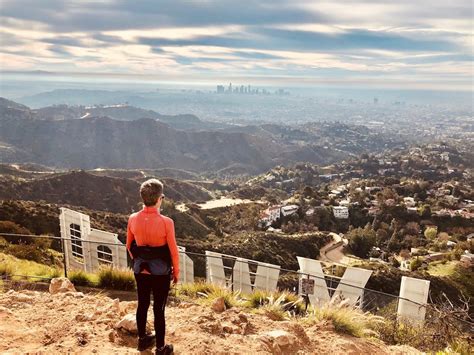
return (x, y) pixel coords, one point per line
(86, 248)
(413, 292)
(186, 266)
(350, 287)
(266, 277)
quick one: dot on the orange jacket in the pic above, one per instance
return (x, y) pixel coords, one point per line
(149, 228)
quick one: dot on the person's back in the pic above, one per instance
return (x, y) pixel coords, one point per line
(152, 245)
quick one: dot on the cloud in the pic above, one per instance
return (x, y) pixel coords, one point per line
(261, 38)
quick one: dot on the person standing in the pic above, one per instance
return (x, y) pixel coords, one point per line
(152, 246)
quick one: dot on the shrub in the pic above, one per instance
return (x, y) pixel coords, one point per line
(13, 228)
(36, 251)
(117, 279)
(416, 263)
(280, 306)
(80, 278)
(193, 290)
(284, 301)
(346, 320)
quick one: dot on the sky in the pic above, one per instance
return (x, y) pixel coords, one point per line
(425, 44)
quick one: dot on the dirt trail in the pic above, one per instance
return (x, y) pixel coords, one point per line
(38, 322)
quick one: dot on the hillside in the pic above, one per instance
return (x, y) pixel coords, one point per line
(145, 143)
(116, 112)
(90, 190)
(122, 136)
(74, 322)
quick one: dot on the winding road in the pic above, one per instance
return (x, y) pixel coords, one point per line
(332, 252)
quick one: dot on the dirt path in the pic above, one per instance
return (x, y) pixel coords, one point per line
(33, 322)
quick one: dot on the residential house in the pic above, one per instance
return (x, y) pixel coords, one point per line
(341, 212)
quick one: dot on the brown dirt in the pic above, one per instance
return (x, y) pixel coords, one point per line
(37, 322)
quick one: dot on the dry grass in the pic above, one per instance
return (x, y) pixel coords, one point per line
(82, 278)
(206, 293)
(117, 279)
(347, 320)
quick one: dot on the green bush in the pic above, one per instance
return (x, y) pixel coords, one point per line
(416, 263)
(117, 279)
(80, 278)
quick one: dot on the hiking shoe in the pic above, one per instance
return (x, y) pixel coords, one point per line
(165, 350)
(145, 342)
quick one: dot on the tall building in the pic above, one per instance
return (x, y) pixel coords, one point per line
(220, 89)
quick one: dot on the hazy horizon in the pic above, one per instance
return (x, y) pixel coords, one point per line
(354, 44)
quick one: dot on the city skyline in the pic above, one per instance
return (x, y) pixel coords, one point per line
(407, 45)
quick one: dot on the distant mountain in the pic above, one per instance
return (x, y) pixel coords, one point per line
(103, 142)
(76, 97)
(127, 137)
(117, 112)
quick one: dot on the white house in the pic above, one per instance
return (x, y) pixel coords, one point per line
(289, 210)
(341, 212)
(409, 201)
(271, 214)
(345, 203)
(405, 265)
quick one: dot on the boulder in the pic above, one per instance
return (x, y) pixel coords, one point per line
(218, 305)
(61, 285)
(128, 323)
(278, 341)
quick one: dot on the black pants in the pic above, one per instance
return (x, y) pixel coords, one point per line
(160, 286)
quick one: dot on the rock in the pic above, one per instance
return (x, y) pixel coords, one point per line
(243, 318)
(299, 332)
(84, 317)
(112, 336)
(61, 285)
(218, 305)
(82, 337)
(128, 323)
(228, 328)
(278, 341)
(74, 294)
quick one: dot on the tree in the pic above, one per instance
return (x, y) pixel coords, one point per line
(415, 264)
(381, 237)
(308, 191)
(405, 254)
(425, 211)
(361, 241)
(430, 233)
(412, 228)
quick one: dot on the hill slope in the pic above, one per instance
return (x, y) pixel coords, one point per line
(145, 143)
(73, 322)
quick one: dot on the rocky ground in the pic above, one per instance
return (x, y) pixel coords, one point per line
(64, 322)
